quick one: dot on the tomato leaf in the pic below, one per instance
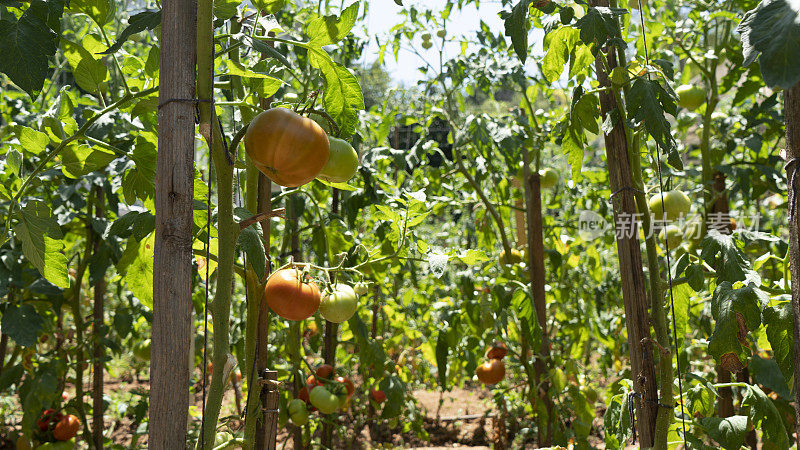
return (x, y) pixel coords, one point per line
(139, 181)
(331, 29)
(28, 43)
(82, 159)
(31, 140)
(22, 324)
(89, 73)
(770, 32)
(647, 102)
(767, 373)
(765, 417)
(729, 432)
(58, 121)
(618, 421)
(442, 351)
(599, 26)
(778, 321)
(250, 240)
(560, 45)
(41, 241)
(343, 98)
(737, 312)
(101, 11)
(146, 20)
(720, 252)
(136, 267)
(516, 27)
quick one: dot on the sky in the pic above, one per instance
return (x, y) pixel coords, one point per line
(383, 15)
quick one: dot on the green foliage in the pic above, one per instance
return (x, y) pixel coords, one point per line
(769, 33)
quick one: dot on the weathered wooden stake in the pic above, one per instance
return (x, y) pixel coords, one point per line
(267, 427)
(792, 118)
(172, 263)
(637, 318)
(99, 349)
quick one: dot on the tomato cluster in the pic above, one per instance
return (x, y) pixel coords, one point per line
(294, 295)
(292, 150)
(324, 391)
(53, 425)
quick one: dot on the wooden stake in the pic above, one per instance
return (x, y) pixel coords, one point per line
(267, 428)
(792, 118)
(99, 349)
(533, 204)
(172, 263)
(630, 257)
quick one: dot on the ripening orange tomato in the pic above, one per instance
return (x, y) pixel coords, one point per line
(292, 294)
(288, 148)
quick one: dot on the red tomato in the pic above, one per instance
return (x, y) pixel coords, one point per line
(48, 417)
(378, 395)
(67, 428)
(325, 371)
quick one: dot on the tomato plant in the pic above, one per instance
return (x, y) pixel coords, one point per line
(565, 217)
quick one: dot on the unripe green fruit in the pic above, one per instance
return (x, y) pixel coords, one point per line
(298, 412)
(674, 236)
(514, 258)
(548, 178)
(342, 162)
(340, 304)
(324, 400)
(676, 204)
(441, 33)
(361, 288)
(690, 97)
(427, 44)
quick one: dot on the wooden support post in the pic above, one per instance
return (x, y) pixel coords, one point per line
(267, 427)
(792, 118)
(172, 263)
(266, 438)
(637, 318)
(533, 206)
(99, 349)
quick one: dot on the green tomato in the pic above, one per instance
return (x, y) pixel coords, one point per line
(514, 258)
(322, 399)
(427, 44)
(141, 351)
(548, 178)
(441, 33)
(298, 412)
(361, 288)
(690, 97)
(342, 163)
(426, 36)
(674, 236)
(338, 305)
(676, 204)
